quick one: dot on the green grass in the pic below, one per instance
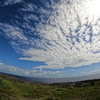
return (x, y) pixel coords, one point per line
(12, 88)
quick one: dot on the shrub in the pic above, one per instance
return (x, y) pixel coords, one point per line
(52, 98)
(86, 99)
(61, 89)
(5, 84)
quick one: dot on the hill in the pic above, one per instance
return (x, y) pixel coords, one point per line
(12, 88)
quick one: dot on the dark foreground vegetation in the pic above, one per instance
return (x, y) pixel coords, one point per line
(12, 88)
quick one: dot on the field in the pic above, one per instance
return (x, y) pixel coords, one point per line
(12, 88)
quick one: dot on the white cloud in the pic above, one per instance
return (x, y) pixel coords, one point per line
(33, 73)
(66, 36)
(93, 71)
(13, 32)
(29, 7)
(1, 63)
(9, 2)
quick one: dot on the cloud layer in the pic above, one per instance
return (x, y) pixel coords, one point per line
(32, 73)
(61, 34)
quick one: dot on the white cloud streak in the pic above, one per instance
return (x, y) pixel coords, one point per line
(67, 34)
(9, 2)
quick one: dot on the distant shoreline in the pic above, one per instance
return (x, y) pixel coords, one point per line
(56, 80)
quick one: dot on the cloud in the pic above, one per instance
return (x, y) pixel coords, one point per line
(9, 2)
(61, 34)
(1, 63)
(33, 73)
(13, 32)
(91, 72)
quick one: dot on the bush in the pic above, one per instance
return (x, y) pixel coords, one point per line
(5, 84)
(86, 99)
(52, 98)
(61, 89)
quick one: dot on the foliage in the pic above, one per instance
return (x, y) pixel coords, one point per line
(5, 84)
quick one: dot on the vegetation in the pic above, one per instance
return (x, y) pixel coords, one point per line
(12, 88)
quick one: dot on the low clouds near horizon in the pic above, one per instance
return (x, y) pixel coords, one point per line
(60, 34)
(32, 73)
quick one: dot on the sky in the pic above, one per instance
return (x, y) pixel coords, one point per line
(50, 38)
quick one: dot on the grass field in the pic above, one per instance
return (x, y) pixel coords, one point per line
(12, 88)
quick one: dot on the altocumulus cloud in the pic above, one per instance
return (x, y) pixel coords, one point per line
(9, 2)
(60, 33)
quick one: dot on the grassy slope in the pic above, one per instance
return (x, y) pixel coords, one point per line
(12, 88)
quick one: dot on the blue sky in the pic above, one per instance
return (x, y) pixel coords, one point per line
(49, 38)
